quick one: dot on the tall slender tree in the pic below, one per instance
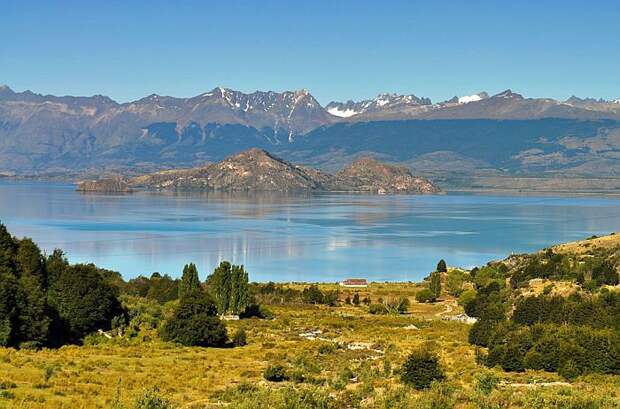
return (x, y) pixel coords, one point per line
(434, 284)
(189, 281)
(229, 286)
(239, 291)
(219, 285)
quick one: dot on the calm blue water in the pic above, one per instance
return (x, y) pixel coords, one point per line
(303, 238)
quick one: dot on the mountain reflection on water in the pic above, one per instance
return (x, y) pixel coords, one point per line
(301, 237)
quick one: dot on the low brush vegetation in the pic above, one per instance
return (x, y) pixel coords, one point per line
(546, 336)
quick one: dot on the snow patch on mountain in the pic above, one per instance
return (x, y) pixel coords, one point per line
(346, 113)
(469, 98)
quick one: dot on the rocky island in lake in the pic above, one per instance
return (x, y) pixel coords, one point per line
(258, 170)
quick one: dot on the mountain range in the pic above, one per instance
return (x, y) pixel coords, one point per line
(502, 133)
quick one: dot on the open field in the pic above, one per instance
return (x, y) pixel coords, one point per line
(352, 356)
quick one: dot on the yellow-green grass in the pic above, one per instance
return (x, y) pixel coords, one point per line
(92, 376)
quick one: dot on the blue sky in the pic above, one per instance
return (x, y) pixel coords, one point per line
(336, 49)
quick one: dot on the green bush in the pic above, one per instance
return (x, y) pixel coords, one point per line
(312, 295)
(275, 373)
(377, 309)
(195, 322)
(327, 348)
(246, 396)
(256, 311)
(420, 369)
(425, 295)
(240, 338)
(151, 399)
(466, 297)
(486, 381)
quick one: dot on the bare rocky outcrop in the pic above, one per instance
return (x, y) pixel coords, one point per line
(258, 170)
(108, 185)
(369, 175)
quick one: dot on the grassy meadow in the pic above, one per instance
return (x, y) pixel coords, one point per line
(335, 357)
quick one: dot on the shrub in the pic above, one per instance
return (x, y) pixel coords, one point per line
(5, 384)
(30, 345)
(6, 394)
(275, 373)
(288, 397)
(240, 339)
(425, 295)
(256, 311)
(466, 297)
(377, 309)
(486, 381)
(48, 372)
(151, 399)
(569, 370)
(441, 395)
(195, 322)
(312, 295)
(420, 369)
(327, 348)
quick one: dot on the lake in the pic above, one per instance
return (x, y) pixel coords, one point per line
(314, 237)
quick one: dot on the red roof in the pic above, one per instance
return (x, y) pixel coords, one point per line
(355, 281)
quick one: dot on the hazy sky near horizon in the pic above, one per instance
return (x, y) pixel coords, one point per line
(338, 49)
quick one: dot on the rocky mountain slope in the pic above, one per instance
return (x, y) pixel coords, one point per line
(48, 132)
(45, 134)
(505, 105)
(258, 170)
(382, 103)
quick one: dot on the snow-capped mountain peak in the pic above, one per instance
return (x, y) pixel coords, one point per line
(382, 102)
(473, 98)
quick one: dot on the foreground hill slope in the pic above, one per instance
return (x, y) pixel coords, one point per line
(258, 170)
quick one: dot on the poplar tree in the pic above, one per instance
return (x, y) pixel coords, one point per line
(219, 284)
(435, 284)
(229, 286)
(189, 281)
(239, 292)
